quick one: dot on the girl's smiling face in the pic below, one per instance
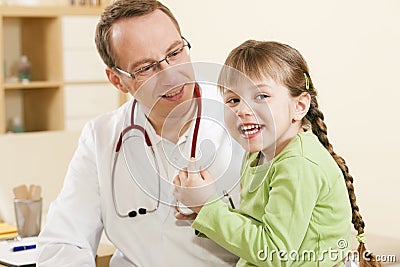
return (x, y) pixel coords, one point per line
(261, 115)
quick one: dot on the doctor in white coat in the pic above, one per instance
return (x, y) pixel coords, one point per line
(120, 177)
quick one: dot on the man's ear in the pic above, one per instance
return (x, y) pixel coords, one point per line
(116, 80)
(302, 105)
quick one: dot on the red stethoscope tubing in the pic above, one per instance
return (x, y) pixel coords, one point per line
(146, 136)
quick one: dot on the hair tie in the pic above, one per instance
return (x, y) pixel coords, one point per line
(361, 238)
(307, 81)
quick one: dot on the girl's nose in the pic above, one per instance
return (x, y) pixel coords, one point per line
(243, 109)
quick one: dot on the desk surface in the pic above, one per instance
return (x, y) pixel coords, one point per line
(18, 258)
(103, 256)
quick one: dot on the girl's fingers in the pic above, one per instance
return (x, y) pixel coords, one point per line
(183, 175)
(177, 181)
(180, 216)
(207, 177)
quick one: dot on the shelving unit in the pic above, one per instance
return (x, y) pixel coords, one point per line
(35, 31)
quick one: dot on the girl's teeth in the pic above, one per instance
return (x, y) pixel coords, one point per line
(250, 129)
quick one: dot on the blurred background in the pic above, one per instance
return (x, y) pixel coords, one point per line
(352, 48)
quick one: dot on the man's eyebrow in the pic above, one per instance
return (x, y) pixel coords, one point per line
(173, 46)
(151, 60)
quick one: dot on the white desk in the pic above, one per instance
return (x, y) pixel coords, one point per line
(27, 258)
(18, 258)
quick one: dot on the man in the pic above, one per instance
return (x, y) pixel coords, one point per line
(120, 178)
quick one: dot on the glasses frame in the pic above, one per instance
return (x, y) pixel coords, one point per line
(155, 63)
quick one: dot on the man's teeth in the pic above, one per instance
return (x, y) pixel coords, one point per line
(173, 94)
(250, 129)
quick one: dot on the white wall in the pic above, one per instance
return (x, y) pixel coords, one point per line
(352, 48)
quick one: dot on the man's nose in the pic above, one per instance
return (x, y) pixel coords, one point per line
(168, 75)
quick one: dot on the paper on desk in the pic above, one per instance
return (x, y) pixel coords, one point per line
(24, 257)
(6, 228)
(7, 231)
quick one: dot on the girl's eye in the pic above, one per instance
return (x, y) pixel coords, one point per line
(262, 96)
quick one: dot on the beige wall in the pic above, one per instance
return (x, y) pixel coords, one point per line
(33, 158)
(353, 51)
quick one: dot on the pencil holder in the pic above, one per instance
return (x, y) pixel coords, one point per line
(28, 215)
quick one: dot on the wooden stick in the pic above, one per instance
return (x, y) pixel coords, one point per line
(35, 192)
(21, 192)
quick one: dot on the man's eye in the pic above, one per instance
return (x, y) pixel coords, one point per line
(175, 53)
(145, 69)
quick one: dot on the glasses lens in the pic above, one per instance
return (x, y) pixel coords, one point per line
(175, 57)
(146, 72)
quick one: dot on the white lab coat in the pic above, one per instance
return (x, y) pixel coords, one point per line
(85, 207)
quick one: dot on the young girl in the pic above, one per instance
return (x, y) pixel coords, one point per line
(295, 209)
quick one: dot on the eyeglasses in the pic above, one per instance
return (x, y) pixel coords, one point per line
(145, 72)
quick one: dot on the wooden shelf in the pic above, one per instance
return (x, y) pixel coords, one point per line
(31, 85)
(86, 82)
(48, 11)
(37, 32)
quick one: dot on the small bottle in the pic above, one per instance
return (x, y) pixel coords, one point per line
(95, 2)
(16, 125)
(5, 68)
(24, 69)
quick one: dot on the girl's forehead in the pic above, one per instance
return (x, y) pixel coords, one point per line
(240, 85)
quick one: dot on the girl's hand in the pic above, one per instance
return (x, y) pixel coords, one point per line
(180, 216)
(193, 188)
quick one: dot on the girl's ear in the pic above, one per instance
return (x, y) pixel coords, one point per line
(116, 80)
(302, 105)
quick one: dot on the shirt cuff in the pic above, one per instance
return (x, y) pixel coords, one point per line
(208, 213)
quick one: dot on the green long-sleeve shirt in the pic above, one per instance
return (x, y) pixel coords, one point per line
(294, 210)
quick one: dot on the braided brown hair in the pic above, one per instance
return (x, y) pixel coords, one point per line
(286, 65)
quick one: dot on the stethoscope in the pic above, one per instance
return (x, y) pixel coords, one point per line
(133, 126)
